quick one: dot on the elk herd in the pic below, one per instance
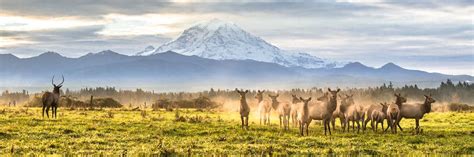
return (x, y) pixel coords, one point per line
(331, 106)
(302, 111)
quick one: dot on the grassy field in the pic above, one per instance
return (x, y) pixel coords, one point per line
(159, 132)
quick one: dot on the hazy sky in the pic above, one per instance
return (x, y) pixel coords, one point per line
(432, 36)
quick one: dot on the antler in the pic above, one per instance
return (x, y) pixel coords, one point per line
(52, 81)
(60, 84)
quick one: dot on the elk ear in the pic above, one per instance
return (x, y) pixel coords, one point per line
(246, 91)
(426, 96)
(329, 89)
(301, 98)
(237, 90)
(293, 95)
(309, 99)
(277, 95)
(338, 90)
(430, 94)
(352, 95)
(381, 104)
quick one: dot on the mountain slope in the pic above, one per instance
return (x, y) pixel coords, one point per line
(173, 71)
(220, 40)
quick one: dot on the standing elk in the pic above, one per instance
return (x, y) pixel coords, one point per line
(52, 99)
(416, 111)
(283, 109)
(264, 108)
(244, 108)
(324, 109)
(378, 117)
(295, 106)
(303, 116)
(399, 102)
(393, 113)
(352, 112)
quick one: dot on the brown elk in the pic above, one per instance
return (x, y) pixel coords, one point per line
(324, 108)
(52, 99)
(283, 109)
(244, 108)
(399, 102)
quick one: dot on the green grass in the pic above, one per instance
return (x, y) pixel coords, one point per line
(119, 132)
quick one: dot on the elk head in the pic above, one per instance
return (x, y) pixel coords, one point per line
(259, 95)
(295, 99)
(400, 100)
(334, 93)
(242, 93)
(57, 87)
(429, 99)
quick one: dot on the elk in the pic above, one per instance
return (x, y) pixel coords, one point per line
(393, 113)
(283, 109)
(295, 106)
(337, 114)
(324, 109)
(399, 102)
(52, 99)
(264, 108)
(378, 116)
(303, 116)
(352, 112)
(416, 111)
(244, 108)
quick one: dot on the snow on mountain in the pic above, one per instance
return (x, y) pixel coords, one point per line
(220, 40)
(148, 50)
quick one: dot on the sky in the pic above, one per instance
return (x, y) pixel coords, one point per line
(434, 36)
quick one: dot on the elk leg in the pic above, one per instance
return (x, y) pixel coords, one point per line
(247, 122)
(358, 126)
(382, 126)
(242, 119)
(333, 122)
(43, 111)
(47, 111)
(417, 128)
(325, 128)
(329, 127)
(398, 124)
(307, 128)
(280, 120)
(367, 121)
(55, 112)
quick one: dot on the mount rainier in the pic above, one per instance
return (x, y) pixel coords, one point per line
(220, 40)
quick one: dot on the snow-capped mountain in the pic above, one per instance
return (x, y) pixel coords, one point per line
(148, 50)
(220, 40)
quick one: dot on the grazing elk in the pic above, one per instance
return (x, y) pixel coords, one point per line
(399, 102)
(378, 116)
(52, 99)
(352, 112)
(324, 109)
(303, 116)
(264, 108)
(295, 106)
(416, 111)
(244, 108)
(283, 109)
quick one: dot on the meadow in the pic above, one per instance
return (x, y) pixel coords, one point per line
(189, 131)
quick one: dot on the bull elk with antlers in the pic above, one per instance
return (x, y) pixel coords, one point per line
(52, 99)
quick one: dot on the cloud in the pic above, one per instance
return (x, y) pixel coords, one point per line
(373, 32)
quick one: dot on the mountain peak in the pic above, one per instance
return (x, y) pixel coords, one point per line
(50, 54)
(222, 40)
(149, 49)
(390, 65)
(215, 24)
